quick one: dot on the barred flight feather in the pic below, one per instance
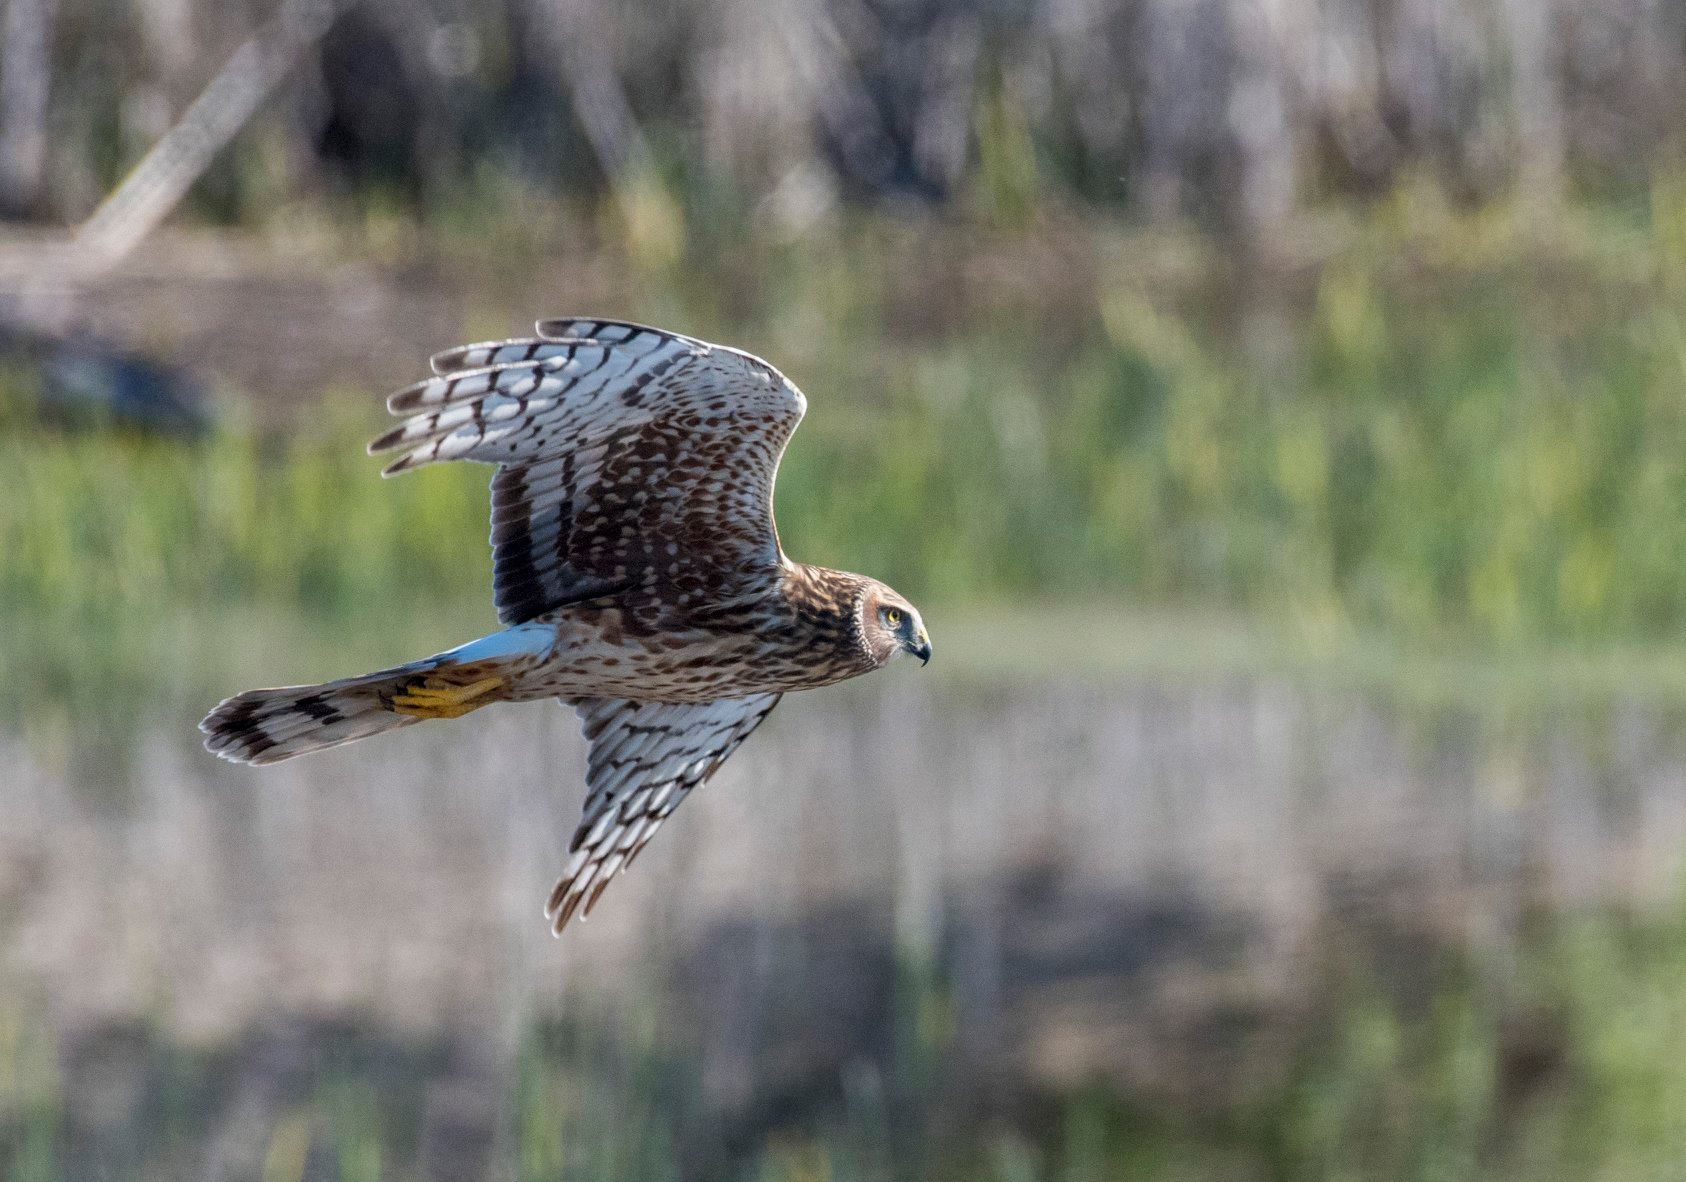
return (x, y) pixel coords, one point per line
(646, 757)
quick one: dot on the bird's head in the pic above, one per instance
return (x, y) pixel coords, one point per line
(891, 625)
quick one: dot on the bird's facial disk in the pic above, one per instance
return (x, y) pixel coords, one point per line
(900, 619)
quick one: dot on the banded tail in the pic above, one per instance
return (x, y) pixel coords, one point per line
(268, 725)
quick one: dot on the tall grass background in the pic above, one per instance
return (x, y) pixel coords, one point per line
(1141, 342)
(1441, 426)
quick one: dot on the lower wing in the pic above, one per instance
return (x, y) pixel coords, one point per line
(646, 757)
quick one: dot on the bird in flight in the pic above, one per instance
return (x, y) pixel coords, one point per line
(636, 570)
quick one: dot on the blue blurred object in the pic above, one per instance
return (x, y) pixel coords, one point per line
(86, 381)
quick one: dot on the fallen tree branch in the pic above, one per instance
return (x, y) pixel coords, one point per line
(157, 184)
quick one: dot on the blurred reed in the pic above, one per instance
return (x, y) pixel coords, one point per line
(1235, 110)
(927, 929)
(1446, 414)
(1452, 1084)
(1450, 425)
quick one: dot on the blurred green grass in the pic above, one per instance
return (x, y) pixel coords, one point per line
(1440, 427)
(1430, 447)
(1432, 1067)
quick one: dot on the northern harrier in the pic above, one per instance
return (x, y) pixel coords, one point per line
(635, 565)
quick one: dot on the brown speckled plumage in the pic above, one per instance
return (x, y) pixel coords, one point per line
(635, 562)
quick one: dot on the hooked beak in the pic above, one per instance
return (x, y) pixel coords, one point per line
(921, 647)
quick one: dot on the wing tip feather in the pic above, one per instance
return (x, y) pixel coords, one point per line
(391, 441)
(387, 440)
(596, 328)
(412, 397)
(555, 328)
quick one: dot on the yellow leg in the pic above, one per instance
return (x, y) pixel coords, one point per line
(443, 700)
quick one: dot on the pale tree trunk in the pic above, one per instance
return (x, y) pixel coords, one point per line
(600, 102)
(164, 175)
(1535, 98)
(26, 76)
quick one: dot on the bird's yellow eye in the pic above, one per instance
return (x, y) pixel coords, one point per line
(892, 617)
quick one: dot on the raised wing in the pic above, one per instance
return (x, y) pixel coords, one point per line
(627, 457)
(645, 758)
